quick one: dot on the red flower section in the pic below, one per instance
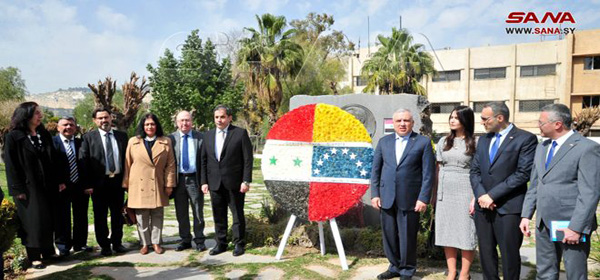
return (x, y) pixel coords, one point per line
(329, 200)
(296, 125)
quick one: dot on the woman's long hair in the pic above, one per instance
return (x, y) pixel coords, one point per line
(466, 117)
(139, 131)
(22, 115)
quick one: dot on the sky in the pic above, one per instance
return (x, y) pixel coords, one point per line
(62, 44)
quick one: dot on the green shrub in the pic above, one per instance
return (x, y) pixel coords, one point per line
(8, 224)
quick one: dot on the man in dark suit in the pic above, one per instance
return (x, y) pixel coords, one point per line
(68, 150)
(187, 144)
(564, 187)
(499, 174)
(401, 184)
(103, 157)
(227, 172)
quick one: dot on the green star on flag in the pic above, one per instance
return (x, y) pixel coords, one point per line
(273, 160)
(297, 161)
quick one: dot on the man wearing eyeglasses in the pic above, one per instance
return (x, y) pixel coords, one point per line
(500, 171)
(564, 188)
(73, 196)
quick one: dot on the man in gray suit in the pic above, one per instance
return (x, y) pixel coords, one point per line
(564, 187)
(187, 143)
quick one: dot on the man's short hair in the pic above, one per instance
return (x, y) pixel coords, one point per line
(499, 108)
(223, 107)
(98, 110)
(68, 118)
(559, 112)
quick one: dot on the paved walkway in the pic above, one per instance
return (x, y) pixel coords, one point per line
(190, 264)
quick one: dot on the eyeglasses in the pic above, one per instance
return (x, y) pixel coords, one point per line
(540, 124)
(484, 119)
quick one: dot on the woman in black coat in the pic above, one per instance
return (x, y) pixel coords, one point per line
(32, 180)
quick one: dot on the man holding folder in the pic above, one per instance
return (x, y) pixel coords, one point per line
(564, 189)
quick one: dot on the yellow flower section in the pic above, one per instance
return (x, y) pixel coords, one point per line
(333, 124)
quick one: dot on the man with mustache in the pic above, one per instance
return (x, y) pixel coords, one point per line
(103, 156)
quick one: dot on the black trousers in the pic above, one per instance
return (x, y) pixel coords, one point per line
(105, 198)
(400, 230)
(496, 230)
(73, 197)
(220, 200)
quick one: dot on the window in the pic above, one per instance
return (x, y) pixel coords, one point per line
(591, 63)
(447, 76)
(538, 70)
(478, 106)
(360, 81)
(443, 108)
(593, 133)
(591, 101)
(533, 105)
(490, 73)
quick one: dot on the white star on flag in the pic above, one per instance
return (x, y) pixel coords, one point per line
(319, 162)
(326, 156)
(352, 156)
(317, 171)
(333, 151)
(358, 163)
(363, 172)
(345, 151)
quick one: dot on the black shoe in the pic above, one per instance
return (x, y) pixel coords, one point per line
(83, 248)
(119, 249)
(388, 275)
(239, 250)
(217, 250)
(405, 277)
(201, 247)
(63, 253)
(106, 251)
(183, 246)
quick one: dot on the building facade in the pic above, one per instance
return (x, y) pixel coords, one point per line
(526, 76)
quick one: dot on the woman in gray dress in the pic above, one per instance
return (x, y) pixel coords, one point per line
(454, 226)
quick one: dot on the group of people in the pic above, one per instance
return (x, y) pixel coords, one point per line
(485, 191)
(50, 175)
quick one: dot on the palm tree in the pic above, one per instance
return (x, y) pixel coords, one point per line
(398, 65)
(267, 57)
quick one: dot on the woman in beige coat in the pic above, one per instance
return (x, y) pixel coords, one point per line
(149, 178)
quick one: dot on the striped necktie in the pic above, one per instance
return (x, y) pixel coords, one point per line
(74, 174)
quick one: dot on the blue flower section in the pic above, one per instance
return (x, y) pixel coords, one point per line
(342, 162)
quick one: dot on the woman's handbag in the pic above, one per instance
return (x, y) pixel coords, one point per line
(128, 215)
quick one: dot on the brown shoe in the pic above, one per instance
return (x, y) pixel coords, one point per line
(158, 249)
(144, 250)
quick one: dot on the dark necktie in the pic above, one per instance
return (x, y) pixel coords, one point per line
(185, 158)
(74, 174)
(551, 153)
(109, 154)
(495, 147)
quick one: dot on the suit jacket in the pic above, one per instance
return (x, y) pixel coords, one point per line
(175, 140)
(235, 164)
(505, 179)
(407, 182)
(93, 158)
(568, 190)
(62, 161)
(146, 179)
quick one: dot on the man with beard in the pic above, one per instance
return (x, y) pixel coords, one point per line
(103, 156)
